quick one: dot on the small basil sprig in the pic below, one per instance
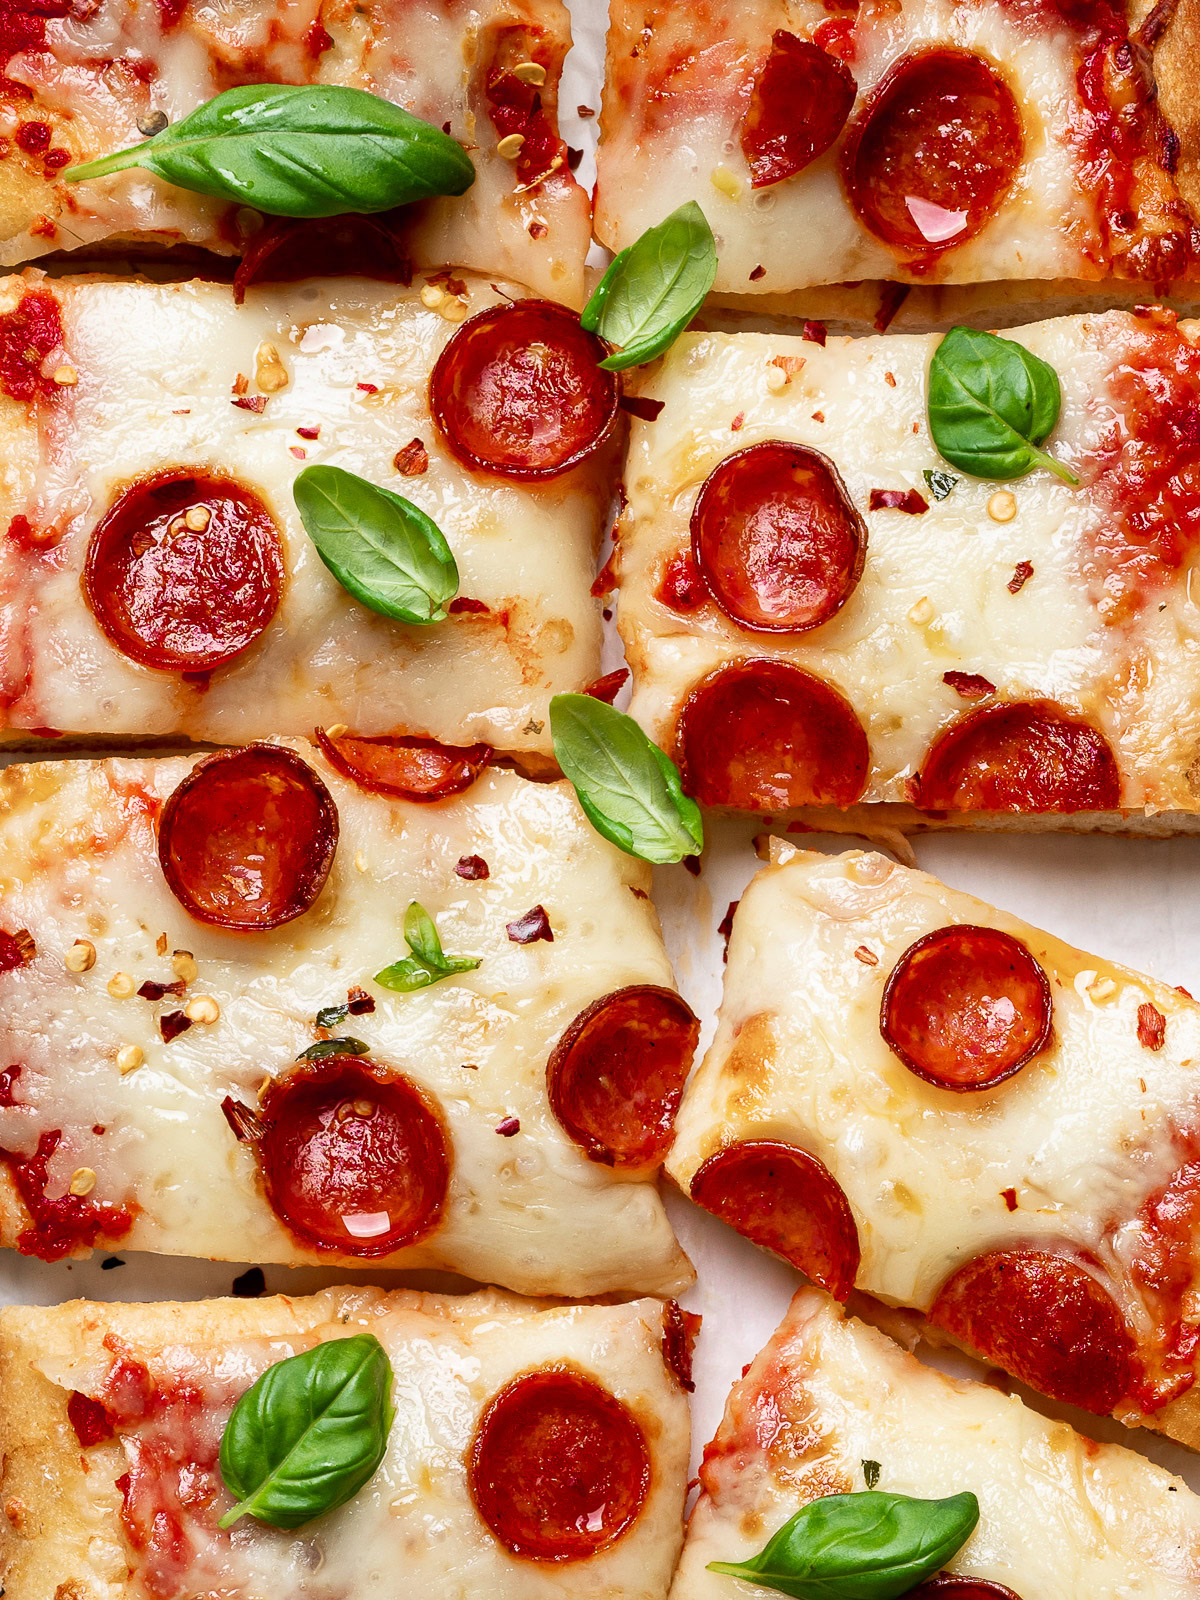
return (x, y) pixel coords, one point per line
(299, 150)
(346, 1046)
(654, 288)
(991, 404)
(381, 548)
(428, 962)
(309, 1433)
(629, 790)
(871, 1546)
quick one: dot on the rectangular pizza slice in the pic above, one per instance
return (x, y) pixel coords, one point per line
(844, 577)
(832, 1408)
(79, 81)
(917, 1095)
(224, 1035)
(535, 1452)
(922, 141)
(157, 576)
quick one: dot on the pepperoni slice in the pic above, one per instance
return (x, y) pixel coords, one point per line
(764, 736)
(616, 1076)
(247, 839)
(966, 1007)
(184, 571)
(1046, 1320)
(407, 768)
(1025, 755)
(559, 1467)
(519, 391)
(777, 538)
(934, 152)
(787, 1201)
(947, 1587)
(354, 1158)
(798, 106)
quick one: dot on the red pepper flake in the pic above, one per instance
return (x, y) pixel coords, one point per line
(240, 384)
(245, 1122)
(1186, 993)
(359, 1003)
(725, 926)
(538, 230)
(1009, 1196)
(33, 137)
(368, 388)
(789, 366)
(298, 450)
(173, 1024)
(738, 422)
(56, 158)
(472, 868)
(463, 603)
(907, 500)
(814, 332)
(508, 1127)
(818, 416)
(89, 1419)
(970, 685)
(16, 949)
(867, 957)
(251, 402)
(310, 433)
(609, 686)
(412, 461)
(534, 925)
(1022, 573)
(584, 111)
(20, 530)
(682, 587)
(645, 410)
(1152, 1026)
(151, 990)
(890, 379)
(757, 273)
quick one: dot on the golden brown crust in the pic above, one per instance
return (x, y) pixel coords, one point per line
(1177, 74)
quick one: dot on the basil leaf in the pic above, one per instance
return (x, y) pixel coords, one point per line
(871, 1471)
(346, 1046)
(870, 1546)
(991, 404)
(939, 484)
(428, 962)
(309, 1433)
(330, 1016)
(629, 790)
(381, 548)
(299, 150)
(654, 288)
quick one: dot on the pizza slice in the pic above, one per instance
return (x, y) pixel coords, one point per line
(224, 1035)
(160, 575)
(533, 1452)
(79, 82)
(921, 141)
(917, 1095)
(832, 1408)
(846, 578)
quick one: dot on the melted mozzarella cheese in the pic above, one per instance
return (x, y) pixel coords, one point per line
(934, 593)
(1060, 1517)
(157, 366)
(97, 76)
(78, 860)
(413, 1529)
(679, 81)
(1083, 1134)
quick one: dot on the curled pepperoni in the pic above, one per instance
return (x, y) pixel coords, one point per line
(947, 1587)
(616, 1076)
(966, 1007)
(407, 768)
(559, 1467)
(798, 106)
(184, 571)
(787, 1201)
(777, 538)
(1025, 755)
(1045, 1319)
(519, 391)
(247, 839)
(764, 736)
(354, 1158)
(934, 153)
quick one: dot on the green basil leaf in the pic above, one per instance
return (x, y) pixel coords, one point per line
(991, 404)
(629, 790)
(870, 1546)
(346, 1046)
(309, 1433)
(939, 484)
(381, 548)
(299, 150)
(330, 1016)
(871, 1471)
(653, 289)
(428, 961)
